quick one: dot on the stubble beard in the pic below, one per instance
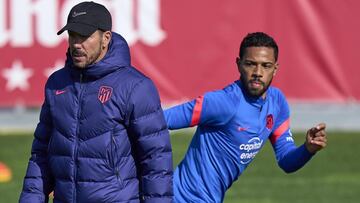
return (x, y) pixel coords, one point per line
(89, 61)
(256, 93)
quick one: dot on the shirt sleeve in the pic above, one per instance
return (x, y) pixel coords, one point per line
(289, 157)
(213, 108)
(151, 141)
(38, 181)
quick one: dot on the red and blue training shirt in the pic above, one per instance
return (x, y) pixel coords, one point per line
(232, 127)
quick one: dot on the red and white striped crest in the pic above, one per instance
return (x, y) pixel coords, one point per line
(269, 121)
(105, 93)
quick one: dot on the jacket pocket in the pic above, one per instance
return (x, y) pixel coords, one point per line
(49, 146)
(115, 161)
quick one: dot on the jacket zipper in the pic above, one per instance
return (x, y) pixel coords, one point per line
(117, 172)
(77, 137)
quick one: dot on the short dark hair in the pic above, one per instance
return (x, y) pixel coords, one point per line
(258, 39)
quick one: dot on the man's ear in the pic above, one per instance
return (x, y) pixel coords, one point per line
(238, 63)
(276, 66)
(106, 38)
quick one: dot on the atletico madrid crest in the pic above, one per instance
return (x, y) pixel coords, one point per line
(269, 121)
(105, 93)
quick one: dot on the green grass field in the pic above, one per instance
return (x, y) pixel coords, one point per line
(333, 175)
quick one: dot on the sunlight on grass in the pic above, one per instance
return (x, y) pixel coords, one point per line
(332, 176)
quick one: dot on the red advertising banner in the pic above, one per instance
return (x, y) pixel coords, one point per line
(189, 47)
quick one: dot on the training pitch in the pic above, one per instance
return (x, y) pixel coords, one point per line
(332, 176)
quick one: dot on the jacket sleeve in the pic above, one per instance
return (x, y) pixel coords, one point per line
(38, 181)
(151, 141)
(290, 158)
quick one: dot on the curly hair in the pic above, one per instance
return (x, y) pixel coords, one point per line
(258, 39)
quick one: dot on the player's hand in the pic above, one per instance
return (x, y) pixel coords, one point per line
(316, 138)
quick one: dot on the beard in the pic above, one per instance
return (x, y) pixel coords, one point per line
(255, 92)
(89, 59)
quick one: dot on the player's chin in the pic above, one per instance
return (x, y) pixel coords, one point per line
(256, 92)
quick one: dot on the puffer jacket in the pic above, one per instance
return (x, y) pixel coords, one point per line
(101, 137)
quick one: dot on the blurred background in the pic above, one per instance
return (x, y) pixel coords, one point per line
(189, 47)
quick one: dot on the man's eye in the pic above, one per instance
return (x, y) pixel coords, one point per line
(267, 65)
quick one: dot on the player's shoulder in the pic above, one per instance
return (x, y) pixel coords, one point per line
(234, 93)
(276, 93)
(220, 104)
(223, 101)
(229, 94)
(278, 99)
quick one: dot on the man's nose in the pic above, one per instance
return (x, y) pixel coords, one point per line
(258, 71)
(76, 44)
